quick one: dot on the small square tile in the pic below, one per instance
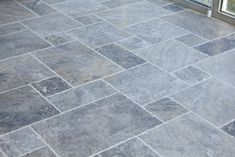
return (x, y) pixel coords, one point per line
(118, 3)
(43, 152)
(20, 142)
(191, 40)
(11, 28)
(166, 109)
(173, 7)
(51, 86)
(230, 128)
(120, 56)
(59, 38)
(88, 19)
(133, 43)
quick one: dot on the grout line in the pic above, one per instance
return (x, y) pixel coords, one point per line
(223, 125)
(3, 153)
(31, 151)
(26, 8)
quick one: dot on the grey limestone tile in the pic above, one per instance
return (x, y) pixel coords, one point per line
(131, 148)
(92, 128)
(118, 3)
(120, 56)
(82, 95)
(39, 7)
(133, 43)
(191, 40)
(211, 99)
(21, 107)
(173, 7)
(1, 154)
(11, 28)
(11, 11)
(99, 34)
(190, 136)
(170, 55)
(20, 43)
(155, 31)
(51, 86)
(43, 152)
(21, 71)
(59, 38)
(51, 2)
(218, 46)
(51, 24)
(221, 67)
(200, 24)
(88, 19)
(230, 128)
(160, 2)
(166, 109)
(145, 84)
(191, 75)
(20, 142)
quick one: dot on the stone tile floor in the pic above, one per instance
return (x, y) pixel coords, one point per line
(115, 78)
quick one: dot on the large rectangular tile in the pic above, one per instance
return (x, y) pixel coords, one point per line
(43, 152)
(117, 3)
(99, 34)
(200, 24)
(211, 99)
(21, 107)
(190, 136)
(20, 43)
(11, 28)
(133, 43)
(191, 40)
(145, 83)
(95, 127)
(21, 71)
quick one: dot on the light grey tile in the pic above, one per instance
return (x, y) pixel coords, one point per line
(133, 43)
(191, 75)
(10, 11)
(59, 38)
(218, 46)
(160, 2)
(173, 7)
(120, 56)
(230, 128)
(131, 148)
(155, 31)
(190, 136)
(221, 67)
(82, 95)
(191, 40)
(43, 152)
(54, 1)
(145, 84)
(51, 24)
(21, 107)
(20, 142)
(21, 71)
(118, 3)
(99, 34)
(166, 109)
(200, 24)
(211, 99)
(170, 55)
(95, 127)
(39, 7)
(51, 86)
(88, 19)
(11, 28)
(20, 43)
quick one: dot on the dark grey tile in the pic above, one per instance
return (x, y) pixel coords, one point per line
(230, 128)
(191, 40)
(218, 46)
(117, 3)
(20, 142)
(21, 107)
(43, 152)
(191, 75)
(76, 63)
(166, 109)
(59, 38)
(39, 7)
(190, 136)
(11, 28)
(95, 127)
(88, 19)
(82, 95)
(133, 43)
(20, 43)
(99, 34)
(199, 24)
(120, 56)
(51, 86)
(170, 55)
(211, 99)
(10, 11)
(173, 7)
(132, 148)
(145, 84)
(21, 71)
(51, 24)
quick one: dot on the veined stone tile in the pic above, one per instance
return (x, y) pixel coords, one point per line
(88, 19)
(82, 95)
(191, 40)
(145, 83)
(59, 38)
(211, 99)
(190, 136)
(11, 28)
(133, 43)
(90, 129)
(43, 152)
(230, 128)
(118, 3)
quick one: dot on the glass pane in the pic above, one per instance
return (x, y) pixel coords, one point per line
(228, 6)
(204, 2)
